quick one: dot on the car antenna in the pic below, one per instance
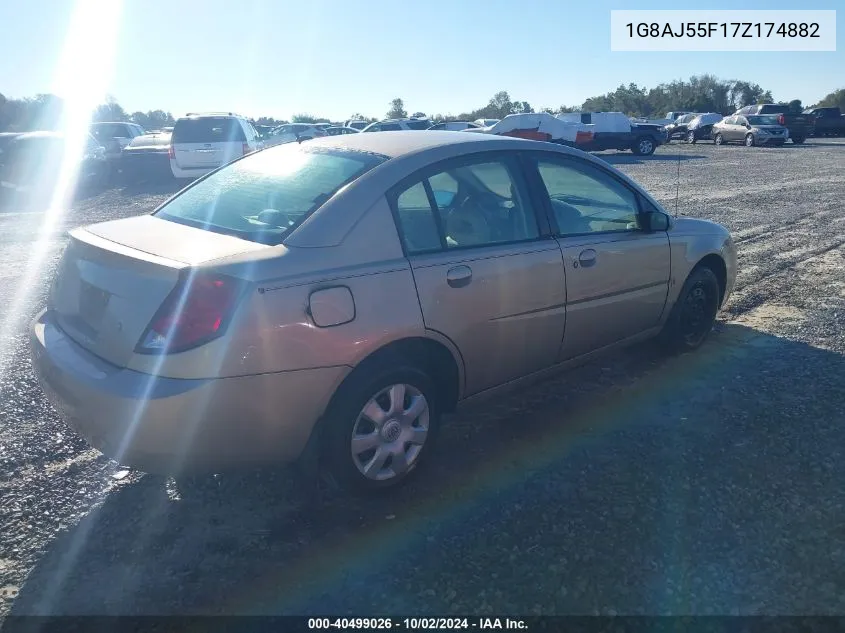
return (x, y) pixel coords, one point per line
(678, 183)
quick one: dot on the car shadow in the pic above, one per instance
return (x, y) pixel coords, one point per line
(642, 483)
(622, 158)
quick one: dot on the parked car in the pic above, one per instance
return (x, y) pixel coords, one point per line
(678, 128)
(486, 122)
(202, 142)
(264, 130)
(395, 125)
(826, 121)
(797, 123)
(146, 158)
(114, 136)
(243, 321)
(454, 126)
(31, 165)
(293, 132)
(338, 130)
(614, 130)
(701, 127)
(358, 125)
(754, 129)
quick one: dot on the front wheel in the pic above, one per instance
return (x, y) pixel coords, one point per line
(691, 137)
(694, 313)
(380, 428)
(643, 146)
(749, 140)
(799, 140)
(719, 139)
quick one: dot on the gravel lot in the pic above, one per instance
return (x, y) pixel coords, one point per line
(704, 484)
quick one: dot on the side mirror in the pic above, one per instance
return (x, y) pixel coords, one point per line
(655, 221)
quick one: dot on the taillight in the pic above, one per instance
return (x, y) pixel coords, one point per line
(781, 119)
(195, 312)
(170, 153)
(246, 148)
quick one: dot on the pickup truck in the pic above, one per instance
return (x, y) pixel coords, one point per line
(797, 123)
(614, 130)
(826, 121)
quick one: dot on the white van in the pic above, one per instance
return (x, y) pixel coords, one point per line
(201, 143)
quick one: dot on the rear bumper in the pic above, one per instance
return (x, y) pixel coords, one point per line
(167, 425)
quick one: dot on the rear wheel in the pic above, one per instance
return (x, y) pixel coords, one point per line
(749, 140)
(643, 146)
(380, 427)
(694, 314)
(799, 140)
(719, 139)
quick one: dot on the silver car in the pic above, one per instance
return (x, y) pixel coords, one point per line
(343, 294)
(751, 130)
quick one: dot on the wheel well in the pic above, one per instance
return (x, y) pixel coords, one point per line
(431, 356)
(717, 265)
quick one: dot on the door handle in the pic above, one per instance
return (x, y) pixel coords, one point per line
(459, 276)
(587, 258)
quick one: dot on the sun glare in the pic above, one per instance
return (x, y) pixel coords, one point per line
(81, 79)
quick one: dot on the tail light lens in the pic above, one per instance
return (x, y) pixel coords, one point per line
(170, 153)
(245, 148)
(196, 311)
(781, 119)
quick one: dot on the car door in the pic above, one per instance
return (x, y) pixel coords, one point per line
(740, 128)
(487, 276)
(617, 274)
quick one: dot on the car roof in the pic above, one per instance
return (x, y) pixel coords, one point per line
(393, 144)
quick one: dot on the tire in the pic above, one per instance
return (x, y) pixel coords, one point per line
(719, 139)
(375, 391)
(691, 137)
(799, 140)
(644, 146)
(694, 313)
(749, 140)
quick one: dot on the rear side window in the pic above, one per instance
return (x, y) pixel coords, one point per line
(262, 197)
(419, 125)
(208, 130)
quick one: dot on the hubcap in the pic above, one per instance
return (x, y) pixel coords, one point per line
(390, 432)
(696, 314)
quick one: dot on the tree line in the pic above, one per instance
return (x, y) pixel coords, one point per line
(701, 93)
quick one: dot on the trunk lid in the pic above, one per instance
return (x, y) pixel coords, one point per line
(114, 276)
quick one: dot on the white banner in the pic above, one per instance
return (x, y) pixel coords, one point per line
(709, 30)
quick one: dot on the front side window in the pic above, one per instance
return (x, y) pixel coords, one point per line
(266, 195)
(584, 199)
(467, 204)
(389, 127)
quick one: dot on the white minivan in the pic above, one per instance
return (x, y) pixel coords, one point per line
(201, 143)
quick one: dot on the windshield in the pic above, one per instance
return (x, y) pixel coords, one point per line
(762, 120)
(264, 196)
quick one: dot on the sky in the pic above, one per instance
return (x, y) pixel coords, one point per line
(334, 58)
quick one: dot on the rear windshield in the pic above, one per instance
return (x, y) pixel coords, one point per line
(264, 196)
(774, 109)
(762, 120)
(208, 130)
